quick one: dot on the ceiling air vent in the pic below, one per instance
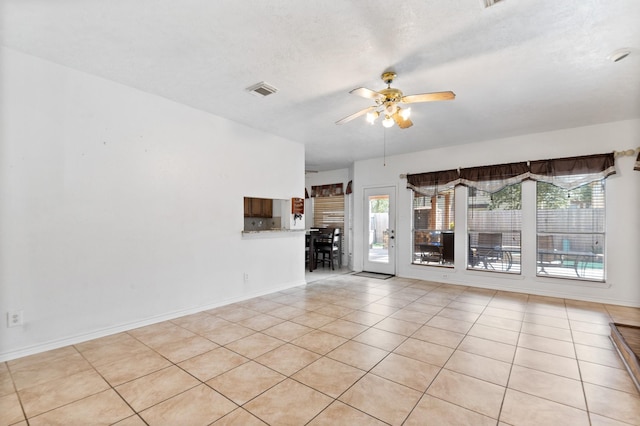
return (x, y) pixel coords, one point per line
(261, 89)
(489, 3)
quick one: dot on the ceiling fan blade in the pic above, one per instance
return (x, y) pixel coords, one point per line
(367, 93)
(401, 122)
(428, 97)
(356, 115)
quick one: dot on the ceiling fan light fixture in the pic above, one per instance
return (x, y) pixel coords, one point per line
(387, 122)
(390, 108)
(405, 113)
(372, 116)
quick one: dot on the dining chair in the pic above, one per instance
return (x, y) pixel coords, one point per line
(328, 248)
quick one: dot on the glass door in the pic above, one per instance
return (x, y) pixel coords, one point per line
(379, 233)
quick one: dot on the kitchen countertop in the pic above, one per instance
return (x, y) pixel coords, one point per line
(273, 232)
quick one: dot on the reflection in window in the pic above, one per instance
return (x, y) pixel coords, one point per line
(570, 231)
(433, 228)
(494, 227)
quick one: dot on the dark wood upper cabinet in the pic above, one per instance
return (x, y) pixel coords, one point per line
(258, 207)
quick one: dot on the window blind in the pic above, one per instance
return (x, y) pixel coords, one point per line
(433, 226)
(571, 230)
(329, 212)
(494, 223)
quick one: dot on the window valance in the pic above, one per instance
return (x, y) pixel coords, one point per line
(568, 173)
(494, 178)
(429, 184)
(349, 187)
(637, 166)
(327, 190)
(572, 172)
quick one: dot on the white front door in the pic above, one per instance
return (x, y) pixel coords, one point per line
(379, 233)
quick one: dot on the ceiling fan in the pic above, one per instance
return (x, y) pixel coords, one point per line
(387, 103)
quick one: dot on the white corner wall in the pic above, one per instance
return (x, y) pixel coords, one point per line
(623, 210)
(119, 208)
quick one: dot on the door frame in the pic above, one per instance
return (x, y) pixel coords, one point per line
(390, 267)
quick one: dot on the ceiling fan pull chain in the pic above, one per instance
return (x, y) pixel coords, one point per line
(384, 149)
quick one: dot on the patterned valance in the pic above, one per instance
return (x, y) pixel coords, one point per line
(572, 172)
(494, 178)
(568, 173)
(429, 184)
(349, 188)
(327, 190)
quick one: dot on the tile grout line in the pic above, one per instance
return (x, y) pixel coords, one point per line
(370, 371)
(15, 389)
(344, 292)
(513, 359)
(445, 363)
(573, 345)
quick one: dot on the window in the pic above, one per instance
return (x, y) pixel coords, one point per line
(328, 211)
(433, 228)
(570, 216)
(494, 216)
(328, 207)
(433, 217)
(494, 227)
(571, 231)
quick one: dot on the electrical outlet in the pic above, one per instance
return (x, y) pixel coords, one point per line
(15, 318)
(246, 277)
(445, 276)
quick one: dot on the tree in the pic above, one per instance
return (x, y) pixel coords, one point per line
(380, 205)
(548, 196)
(551, 197)
(508, 198)
(581, 196)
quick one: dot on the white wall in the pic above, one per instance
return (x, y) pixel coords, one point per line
(119, 208)
(623, 210)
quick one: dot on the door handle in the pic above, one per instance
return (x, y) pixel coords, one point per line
(392, 237)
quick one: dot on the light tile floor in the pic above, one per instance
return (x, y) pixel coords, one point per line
(343, 350)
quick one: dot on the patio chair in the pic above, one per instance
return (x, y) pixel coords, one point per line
(548, 255)
(489, 248)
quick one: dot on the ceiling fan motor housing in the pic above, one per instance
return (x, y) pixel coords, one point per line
(391, 95)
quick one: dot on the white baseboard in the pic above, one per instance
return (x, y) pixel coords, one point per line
(107, 331)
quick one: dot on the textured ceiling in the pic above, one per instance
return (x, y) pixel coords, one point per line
(521, 66)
